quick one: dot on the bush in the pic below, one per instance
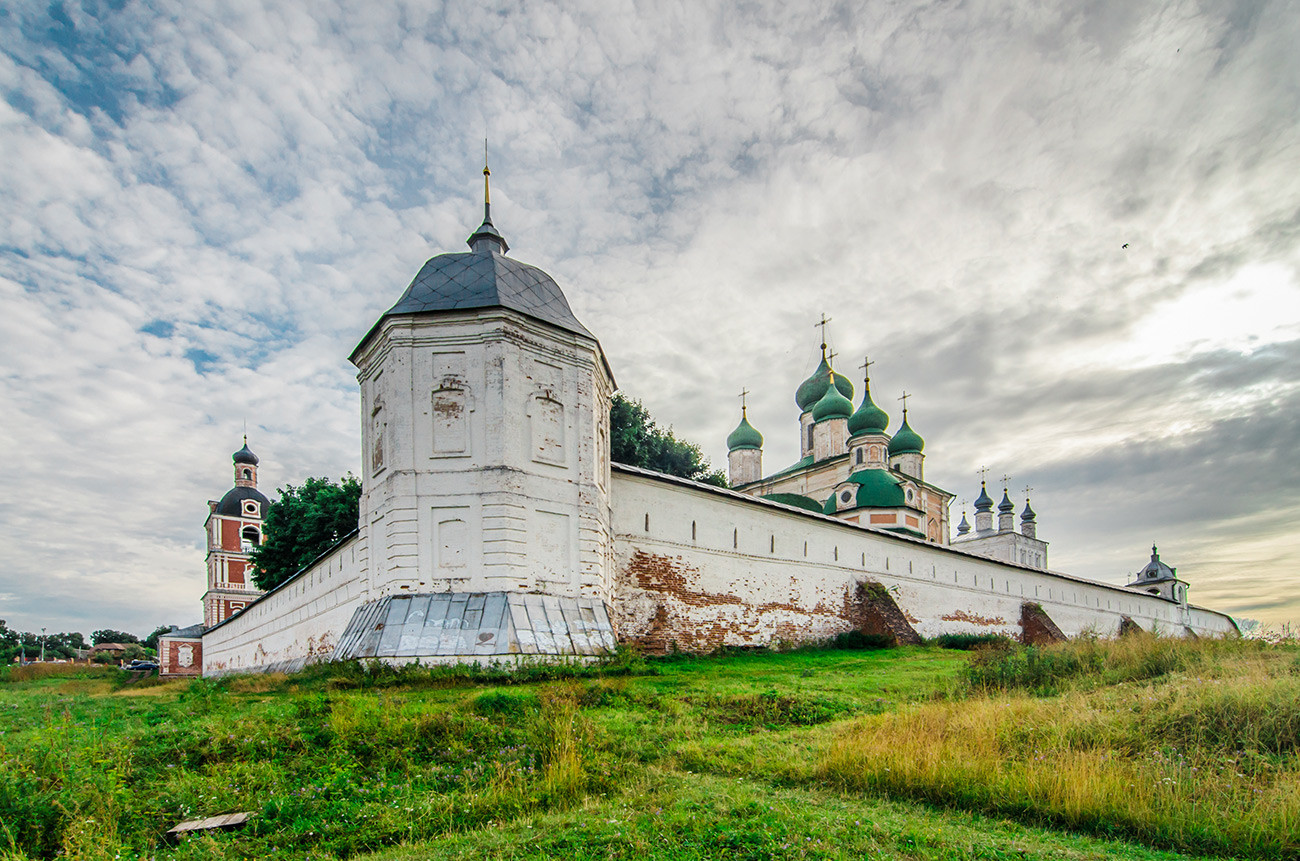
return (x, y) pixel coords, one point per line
(970, 642)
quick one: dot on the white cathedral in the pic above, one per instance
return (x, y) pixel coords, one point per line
(494, 527)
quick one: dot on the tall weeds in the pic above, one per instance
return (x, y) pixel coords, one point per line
(1204, 762)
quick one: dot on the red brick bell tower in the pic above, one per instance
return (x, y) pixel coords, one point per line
(234, 528)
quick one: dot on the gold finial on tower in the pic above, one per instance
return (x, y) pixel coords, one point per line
(487, 174)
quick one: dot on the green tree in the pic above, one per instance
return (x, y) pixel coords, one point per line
(108, 635)
(151, 641)
(636, 440)
(302, 524)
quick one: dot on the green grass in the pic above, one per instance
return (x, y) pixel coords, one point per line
(752, 755)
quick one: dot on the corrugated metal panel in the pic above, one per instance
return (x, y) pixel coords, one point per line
(479, 624)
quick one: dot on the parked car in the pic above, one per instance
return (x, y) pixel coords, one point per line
(142, 665)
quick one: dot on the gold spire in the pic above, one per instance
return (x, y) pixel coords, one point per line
(487, 173)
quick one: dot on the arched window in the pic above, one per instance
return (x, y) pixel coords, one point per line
(248, 474)
(249, 538)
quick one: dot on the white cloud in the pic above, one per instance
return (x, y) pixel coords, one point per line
(953, 184)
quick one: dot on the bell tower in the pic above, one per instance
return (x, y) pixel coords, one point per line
(233, 528)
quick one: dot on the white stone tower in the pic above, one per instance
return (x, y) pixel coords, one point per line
(744, 451)
(485, 425)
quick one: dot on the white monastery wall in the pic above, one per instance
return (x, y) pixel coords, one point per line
(297, 623)
(702, 568)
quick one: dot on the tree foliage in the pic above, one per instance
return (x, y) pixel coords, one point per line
(108, 635)
(151, 641)
(17, 643)
(636, 440)
(302, 524)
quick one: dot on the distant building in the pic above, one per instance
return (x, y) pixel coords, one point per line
(1157, 578)
(234, 528)
(180, 652)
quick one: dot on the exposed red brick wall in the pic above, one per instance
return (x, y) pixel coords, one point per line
(872, 610)
(728, 619)
(1036, 627)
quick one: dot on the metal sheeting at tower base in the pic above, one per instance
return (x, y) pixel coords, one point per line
(476, 625)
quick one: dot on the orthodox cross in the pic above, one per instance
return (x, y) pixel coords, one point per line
(904, 400)
(866, 367)
(1028, 490)
(743, 394)
(1006, 479)
(830, 357)
(822, 325)
(983, 474)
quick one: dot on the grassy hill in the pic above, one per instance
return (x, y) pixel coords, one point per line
(1143, 748)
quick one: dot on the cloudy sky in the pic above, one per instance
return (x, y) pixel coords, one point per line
(1071, 233)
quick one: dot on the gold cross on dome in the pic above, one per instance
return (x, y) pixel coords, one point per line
(1006, 479)
(743, 394)
(866, 366)
(983, 472)
(822, 324)
(1028, 490)
(904, 400)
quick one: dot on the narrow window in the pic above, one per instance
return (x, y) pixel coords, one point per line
(810, 437)
(692, 530)
(837, 554)
(647, 521)
(773, 549)
(805, 550)
(735, 539)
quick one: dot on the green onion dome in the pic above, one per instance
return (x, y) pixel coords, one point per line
(744, 436)
(832, 404)
(906, 441)
(810, 391)
(869, 418)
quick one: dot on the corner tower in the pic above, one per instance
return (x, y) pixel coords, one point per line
(485, 430)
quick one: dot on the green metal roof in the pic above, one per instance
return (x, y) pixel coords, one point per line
(832, 405)
(744, 436)
(869, 418)
(878, 488)
(795, 499)
(906, 441)
(810, 391)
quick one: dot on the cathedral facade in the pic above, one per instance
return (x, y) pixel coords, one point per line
(493, 525)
